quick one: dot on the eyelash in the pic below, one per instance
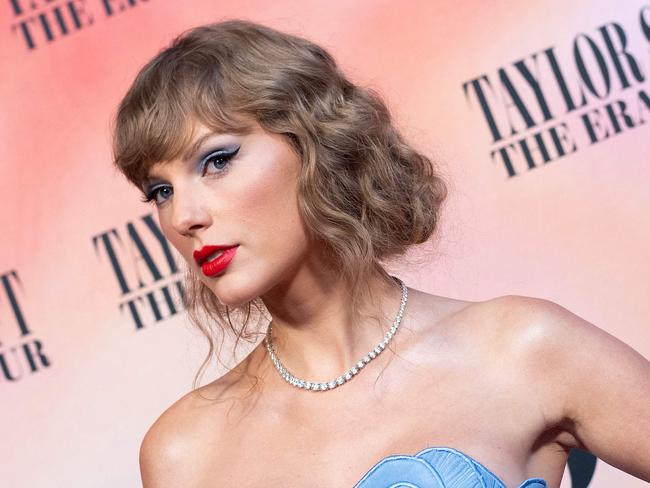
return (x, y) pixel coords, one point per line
(225, 156)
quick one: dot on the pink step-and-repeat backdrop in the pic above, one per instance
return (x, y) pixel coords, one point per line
(536, 111)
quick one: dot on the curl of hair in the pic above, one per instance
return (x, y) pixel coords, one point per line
(364, 193)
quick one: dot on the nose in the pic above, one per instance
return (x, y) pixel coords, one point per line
(189, 212)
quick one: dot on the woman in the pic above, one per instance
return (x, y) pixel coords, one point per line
(286, 189)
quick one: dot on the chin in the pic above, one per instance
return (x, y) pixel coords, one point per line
(228, 291)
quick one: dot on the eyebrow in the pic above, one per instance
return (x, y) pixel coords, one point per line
(189, 154)
(196, 145)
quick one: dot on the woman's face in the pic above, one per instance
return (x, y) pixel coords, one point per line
(233, 190)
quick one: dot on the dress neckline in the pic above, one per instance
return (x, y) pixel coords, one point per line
(472, 459)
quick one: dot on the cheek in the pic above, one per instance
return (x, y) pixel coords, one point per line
(270, 214)
(274, 208)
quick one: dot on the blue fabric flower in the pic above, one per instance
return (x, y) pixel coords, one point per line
(435, 467)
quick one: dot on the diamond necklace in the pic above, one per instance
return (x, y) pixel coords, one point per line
(349, 374)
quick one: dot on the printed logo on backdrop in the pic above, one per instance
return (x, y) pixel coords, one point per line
(546, 106)
(21, 354)
(39, 23)
(147, 278)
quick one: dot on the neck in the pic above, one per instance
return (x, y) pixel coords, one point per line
(316, 332)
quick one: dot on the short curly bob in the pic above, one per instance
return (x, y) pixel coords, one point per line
(363, 192)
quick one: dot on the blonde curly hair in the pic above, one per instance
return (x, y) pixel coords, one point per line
(363, 191)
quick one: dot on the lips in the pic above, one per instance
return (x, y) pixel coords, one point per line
(211, 265)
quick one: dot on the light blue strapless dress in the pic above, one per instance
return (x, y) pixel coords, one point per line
(435, 467)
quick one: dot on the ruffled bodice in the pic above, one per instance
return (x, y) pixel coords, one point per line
(435, 467)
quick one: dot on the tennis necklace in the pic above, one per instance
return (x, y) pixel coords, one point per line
(350, 373)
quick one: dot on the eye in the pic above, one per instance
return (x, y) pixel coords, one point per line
(217, 161)
(162, 191)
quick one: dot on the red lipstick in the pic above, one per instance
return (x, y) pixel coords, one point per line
(214, 266)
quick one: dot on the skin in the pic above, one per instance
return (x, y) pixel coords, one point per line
(515, 382)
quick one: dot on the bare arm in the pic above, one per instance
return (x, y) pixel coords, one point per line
(600, 385)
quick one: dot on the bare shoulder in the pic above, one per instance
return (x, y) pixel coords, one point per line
(166, 452)
(546, 333)
(185, 438)
(490, 323)
(508, 321)
(541, 334)
(526, 327)
(595, 385)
